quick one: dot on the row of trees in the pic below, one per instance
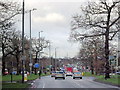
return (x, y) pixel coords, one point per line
(11, 39)
(99, 18)
(92, 54)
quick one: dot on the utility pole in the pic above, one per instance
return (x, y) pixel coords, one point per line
(23, 43)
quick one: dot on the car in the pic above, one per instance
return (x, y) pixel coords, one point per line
(69, 74)
(59, 74)
(14, 72)
(53, 74)
(77, 75)
(6, 72)
(118, 73)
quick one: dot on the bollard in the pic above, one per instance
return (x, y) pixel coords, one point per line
(25, 77)
(82, 73)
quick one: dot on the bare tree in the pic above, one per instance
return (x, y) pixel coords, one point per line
(16, 47)
(103, 16)
(38, 45)
(7, 11)
(92, 50)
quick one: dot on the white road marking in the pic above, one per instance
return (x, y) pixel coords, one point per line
(31, 83)
(43, 84)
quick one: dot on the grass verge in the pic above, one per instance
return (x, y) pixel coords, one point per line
(114, 80)
(7, 78)
(19, 77)
(15, 85)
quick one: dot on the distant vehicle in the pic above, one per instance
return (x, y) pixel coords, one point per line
(14, 72)
(77, 75)
(53, 74)
(6, 72)
(118, 73)
(69, 74)
(69, 69)
(59, 74)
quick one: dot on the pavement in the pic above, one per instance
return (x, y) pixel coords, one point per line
(69, 82)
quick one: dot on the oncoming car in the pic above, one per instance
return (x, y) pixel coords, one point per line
(68, 74)
(77, 75)
(53, 74)
(59, 74)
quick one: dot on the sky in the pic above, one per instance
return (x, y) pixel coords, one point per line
(53, 17)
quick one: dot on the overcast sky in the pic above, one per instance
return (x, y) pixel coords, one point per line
(53, 17)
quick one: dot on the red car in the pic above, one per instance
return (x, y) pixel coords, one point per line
(6, 72)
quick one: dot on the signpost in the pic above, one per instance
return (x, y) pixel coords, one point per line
(36, 65)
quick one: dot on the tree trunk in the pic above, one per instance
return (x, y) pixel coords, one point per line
(17, 58)
(107, 68)
(3, 60)
(3, 65)
(92, 68)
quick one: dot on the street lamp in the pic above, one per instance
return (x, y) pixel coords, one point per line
(30, 42)
(49, 43)
(55, 61)
(23, 43)
(39, 52)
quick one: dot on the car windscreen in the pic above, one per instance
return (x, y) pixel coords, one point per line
(77, 73)
(60, 72)
(53, 72)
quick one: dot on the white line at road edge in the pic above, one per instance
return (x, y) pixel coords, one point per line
(43, 84)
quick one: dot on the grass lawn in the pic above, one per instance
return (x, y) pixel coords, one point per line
(18, 78)
(115, 79)
(14, 85)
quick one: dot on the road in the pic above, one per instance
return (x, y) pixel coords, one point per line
(86, 82)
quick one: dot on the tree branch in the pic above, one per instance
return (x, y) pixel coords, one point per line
(114, 21)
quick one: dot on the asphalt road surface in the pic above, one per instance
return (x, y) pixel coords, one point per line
(69, 82)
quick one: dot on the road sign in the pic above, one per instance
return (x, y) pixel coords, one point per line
(36, 65)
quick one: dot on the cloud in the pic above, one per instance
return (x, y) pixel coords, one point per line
(51, 17)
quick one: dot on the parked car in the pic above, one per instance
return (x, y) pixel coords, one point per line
(6, 72)
(69, 74)
(118, 73)
(53, 74)
(60, 74)
(77, 75)
(14, 72)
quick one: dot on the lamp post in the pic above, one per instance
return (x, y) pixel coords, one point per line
(23, 43)
(40, 53)
(55, 61)
(30, 42)
(50, 55)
